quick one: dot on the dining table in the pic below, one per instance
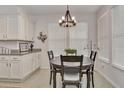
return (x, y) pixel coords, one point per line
(87, 63)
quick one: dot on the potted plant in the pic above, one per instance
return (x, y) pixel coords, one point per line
(70, 51)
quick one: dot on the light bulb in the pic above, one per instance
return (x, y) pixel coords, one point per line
(63, 18)
(73, 18)
(60, 21)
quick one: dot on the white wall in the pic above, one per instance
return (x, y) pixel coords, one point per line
(110, 72)
(41, 24)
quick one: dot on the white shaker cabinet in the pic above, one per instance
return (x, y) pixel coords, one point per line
(4, 67)
(18, 67)
(3, 27)
(10, 68)
(16, 27)
(12, 27)
(15, 67)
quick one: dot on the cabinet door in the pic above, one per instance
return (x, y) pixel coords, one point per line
(12, 27)
(37, 61)
(21, 27)
(3, 27)
(15, 68)
(30, 29)
(4, 69)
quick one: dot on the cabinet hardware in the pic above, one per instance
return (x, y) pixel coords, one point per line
(10, 64)
(3, 58)
(15, 58)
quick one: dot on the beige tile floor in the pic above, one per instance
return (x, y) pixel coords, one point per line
(40, 79)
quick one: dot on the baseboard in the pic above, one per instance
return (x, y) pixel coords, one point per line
(108, 79)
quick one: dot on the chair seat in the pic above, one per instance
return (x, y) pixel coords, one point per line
(71, 77)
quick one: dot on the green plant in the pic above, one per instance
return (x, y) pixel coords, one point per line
(70, 51)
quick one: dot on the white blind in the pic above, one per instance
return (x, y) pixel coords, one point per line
(103, 36)
(79, 38)
(118, 35)
(57, 38)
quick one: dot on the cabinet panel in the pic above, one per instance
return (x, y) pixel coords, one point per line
(4, 69)
(12, 27)
(3, 26)
(15, 69)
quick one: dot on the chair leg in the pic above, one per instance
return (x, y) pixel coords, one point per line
(88, 78)
(50, 77)
(63, 85)
(92, 79)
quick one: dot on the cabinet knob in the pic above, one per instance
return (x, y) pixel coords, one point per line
(10, 64)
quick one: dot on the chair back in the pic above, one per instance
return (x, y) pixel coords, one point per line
(50, 54)
(93, 58)
(71, 69)
(93, 55)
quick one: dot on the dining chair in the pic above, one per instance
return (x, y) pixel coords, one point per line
(93, 58)
(71, 74)
(91, 69)
(51, 57)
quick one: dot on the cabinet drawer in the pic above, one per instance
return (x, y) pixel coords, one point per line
(2, 58)
(14, 58)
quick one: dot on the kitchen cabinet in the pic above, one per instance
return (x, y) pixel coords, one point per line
(12, 27)
(9, 67)
(15, 67)
(18, 67)
(3, 27)
(16, 27)
(4, 69)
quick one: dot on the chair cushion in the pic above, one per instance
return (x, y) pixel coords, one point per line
(71, 76)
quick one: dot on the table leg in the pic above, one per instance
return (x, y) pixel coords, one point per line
(54, 78)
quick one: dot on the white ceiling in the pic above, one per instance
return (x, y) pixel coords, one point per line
(59, 9)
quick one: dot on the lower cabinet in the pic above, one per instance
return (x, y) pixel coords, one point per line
(18, 67)
(4, 69)
(15, 70)
(10, 68)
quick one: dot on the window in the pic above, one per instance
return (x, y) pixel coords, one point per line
(79, 37)
(118, 36)
(57, 38)
(103, 36)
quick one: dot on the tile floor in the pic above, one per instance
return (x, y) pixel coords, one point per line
(40, 79)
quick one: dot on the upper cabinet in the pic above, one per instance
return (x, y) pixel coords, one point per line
(16, 27)
(3, 26)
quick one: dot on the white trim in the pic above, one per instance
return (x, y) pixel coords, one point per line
(107, 11)
(120, 67)
(106, 60)
(108, 79)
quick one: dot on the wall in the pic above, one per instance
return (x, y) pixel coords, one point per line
(41, 24)
(113, 74)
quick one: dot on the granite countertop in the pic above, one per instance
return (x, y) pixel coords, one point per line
(17, 53)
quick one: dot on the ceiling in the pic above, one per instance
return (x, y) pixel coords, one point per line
(59, 9)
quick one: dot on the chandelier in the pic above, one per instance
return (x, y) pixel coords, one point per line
(67, 20)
